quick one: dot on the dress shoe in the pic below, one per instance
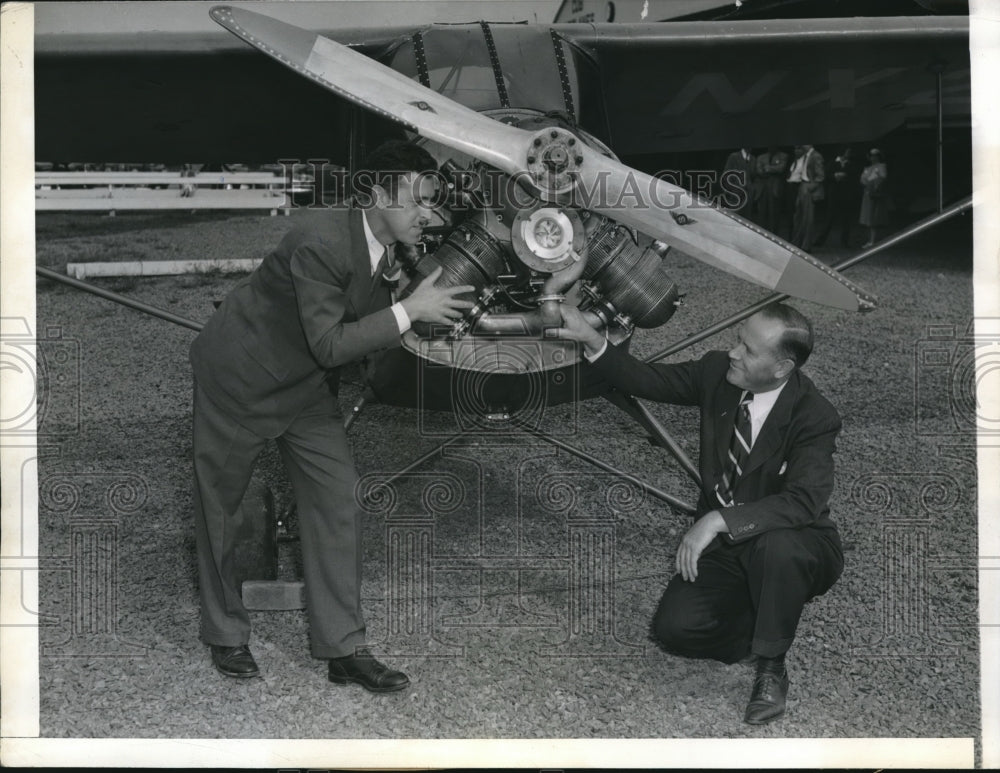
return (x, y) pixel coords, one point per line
(767, 700)
(362, 668)
(234, 661)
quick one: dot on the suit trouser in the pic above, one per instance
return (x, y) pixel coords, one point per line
(768, 207)
(317, 457)
(748, 597)
(804, 219)
(839, 215)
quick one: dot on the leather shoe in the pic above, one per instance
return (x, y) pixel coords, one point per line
(362, 668)
(767, 700)
(234, 661)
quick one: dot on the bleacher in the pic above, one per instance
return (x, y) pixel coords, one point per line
(110, 191)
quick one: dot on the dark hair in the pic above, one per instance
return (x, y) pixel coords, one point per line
(796, 342)
(387, 164)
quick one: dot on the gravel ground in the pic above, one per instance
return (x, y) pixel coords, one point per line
(499, 650)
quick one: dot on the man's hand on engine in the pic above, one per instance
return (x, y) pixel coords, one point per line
(436, 305)
(575, 328)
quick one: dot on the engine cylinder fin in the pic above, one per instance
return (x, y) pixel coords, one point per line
(469, 256)
(630, 277)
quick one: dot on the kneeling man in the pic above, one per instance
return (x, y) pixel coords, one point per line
(763, 543)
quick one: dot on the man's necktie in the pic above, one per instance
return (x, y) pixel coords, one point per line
(389, 271)
(739, 450)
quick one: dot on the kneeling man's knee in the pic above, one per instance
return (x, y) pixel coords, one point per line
(668, 626)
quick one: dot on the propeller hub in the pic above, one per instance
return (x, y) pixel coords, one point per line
(552, 163)
(556, 159)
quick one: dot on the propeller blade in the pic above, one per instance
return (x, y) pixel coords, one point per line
(379, 88)
(667, 212)
(553, 162)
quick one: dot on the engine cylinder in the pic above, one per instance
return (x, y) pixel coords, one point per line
(629, 276)
(469, 256)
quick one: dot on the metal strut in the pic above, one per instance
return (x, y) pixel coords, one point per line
(124, 300)
(658, 433)
(891, 241)
(673, 501)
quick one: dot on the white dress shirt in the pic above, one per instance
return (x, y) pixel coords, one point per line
(375, 252)
(800, 169)
(760, 407)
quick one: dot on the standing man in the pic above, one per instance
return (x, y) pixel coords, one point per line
(771, 169)
(266, 365)
(738, 179)
(842, 202)
(763, 543)
(807, 177)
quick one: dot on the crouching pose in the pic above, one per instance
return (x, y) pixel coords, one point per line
(762, 544)
(267, 366)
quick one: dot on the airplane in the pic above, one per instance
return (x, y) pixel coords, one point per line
(528, 122)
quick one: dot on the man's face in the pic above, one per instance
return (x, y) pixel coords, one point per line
(800, 151)
(406, 217)
(754, 364)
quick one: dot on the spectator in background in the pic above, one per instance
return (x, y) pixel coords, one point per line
(771, 168)
(841, 199)
(807, 177)
(874, 201)
(737, 182)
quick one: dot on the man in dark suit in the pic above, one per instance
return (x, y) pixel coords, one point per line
(842, 201)
(806, 177)
(266, 365)
(737, 182)
(763, 543)
(771, 169)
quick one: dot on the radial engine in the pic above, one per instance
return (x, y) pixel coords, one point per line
(526, 251)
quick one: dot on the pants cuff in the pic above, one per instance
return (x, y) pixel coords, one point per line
(770, 648)
(223, 640)
(327, 651)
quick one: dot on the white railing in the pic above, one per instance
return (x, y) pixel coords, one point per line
(112, 191)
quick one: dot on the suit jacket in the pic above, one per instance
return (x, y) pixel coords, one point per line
(736, 188)
(771, 170)
(276, 343)
(788, 476)
(816, 173)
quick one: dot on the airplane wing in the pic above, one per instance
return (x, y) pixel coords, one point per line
(677, 87)
(641, 88)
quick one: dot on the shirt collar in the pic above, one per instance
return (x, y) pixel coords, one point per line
(375, 248)
(760, 407)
